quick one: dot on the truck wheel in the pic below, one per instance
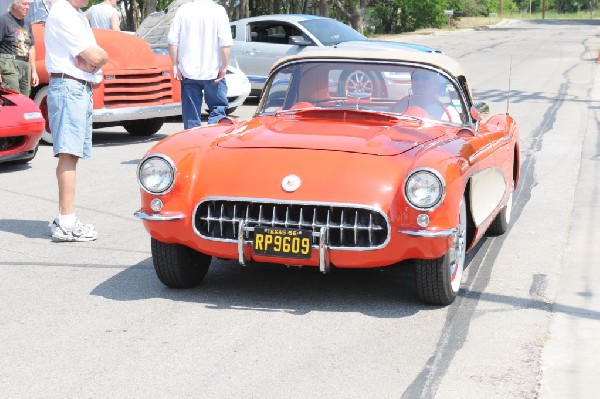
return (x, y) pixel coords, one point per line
(438, 280)
(41, 99)
(144, 127)
(178, 266)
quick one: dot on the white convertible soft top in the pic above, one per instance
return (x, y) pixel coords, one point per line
(442, 61)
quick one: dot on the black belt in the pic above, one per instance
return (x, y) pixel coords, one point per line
(65, 76)
(14, 57)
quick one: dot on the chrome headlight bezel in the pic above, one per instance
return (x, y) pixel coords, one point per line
(434, 184)
(165, 166)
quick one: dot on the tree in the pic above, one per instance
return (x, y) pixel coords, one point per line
(353, 11)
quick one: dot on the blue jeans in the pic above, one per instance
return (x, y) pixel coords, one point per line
(215, 96)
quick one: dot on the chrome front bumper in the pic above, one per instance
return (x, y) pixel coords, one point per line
(429, 233)
(135, 113)
(159, 217)
(324, 264)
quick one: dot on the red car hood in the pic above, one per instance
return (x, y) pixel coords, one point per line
(133, 52)
(350, 131)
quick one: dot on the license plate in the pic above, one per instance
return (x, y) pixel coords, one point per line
(282, 243)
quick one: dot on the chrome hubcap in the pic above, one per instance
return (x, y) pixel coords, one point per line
(458, 251)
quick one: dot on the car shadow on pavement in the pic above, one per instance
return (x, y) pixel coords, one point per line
(117, 138)
(272, 288)
(26, 228)
(12, 167)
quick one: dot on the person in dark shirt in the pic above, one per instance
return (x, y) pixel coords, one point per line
(17, 50)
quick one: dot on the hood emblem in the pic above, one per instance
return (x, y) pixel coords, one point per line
(290, 183)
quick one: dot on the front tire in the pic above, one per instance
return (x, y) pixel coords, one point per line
(178, 266)
(438, 280)
(144, 127)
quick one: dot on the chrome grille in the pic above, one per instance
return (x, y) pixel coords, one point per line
(137, 88)
(348, 226)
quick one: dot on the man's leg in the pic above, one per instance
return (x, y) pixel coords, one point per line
(24, 70)
(10, 75)
(66, 175)
(216, 100)
(70, 113)
(191, 103)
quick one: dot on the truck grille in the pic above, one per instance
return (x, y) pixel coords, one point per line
(348, 226)
(137, 88)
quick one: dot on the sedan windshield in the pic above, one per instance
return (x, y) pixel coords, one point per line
(400, 90)
(330, 32)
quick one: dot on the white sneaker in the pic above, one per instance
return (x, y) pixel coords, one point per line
(80, 232)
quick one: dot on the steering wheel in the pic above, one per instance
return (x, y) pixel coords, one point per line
(417, 101)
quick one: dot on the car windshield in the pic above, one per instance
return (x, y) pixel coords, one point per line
(330, 32)
(393, 89)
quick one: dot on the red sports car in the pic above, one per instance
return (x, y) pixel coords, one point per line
(352, 160)
(21, 126)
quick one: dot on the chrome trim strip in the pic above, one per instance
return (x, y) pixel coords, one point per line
(159, 217)
(241, 233)
(429, 233)
(323, 258)
(135, 113)
(307, 203)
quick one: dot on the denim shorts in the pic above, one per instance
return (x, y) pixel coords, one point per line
(70, 117)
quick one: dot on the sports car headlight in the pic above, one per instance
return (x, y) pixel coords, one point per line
(156, 174)
(424, 189)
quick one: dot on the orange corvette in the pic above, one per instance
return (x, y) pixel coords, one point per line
(352, 160)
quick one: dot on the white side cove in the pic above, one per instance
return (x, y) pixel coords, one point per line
(487, 190)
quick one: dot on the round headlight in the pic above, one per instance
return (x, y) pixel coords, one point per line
(424, 189)
(156, 175)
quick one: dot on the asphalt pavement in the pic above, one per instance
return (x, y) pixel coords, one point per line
(571, 357)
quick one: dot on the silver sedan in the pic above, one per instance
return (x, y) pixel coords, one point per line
(258, 42)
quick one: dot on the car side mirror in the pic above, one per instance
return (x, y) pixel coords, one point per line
(478, 113)
(299, 41)
(483, 109)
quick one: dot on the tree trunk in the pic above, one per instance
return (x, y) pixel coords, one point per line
(244, 9)
(354, 12)
(324, 8)
(149, 8)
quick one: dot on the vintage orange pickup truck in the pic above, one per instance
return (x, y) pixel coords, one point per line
(137, 90)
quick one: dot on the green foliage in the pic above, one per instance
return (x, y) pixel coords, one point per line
(494, 6)
(396, 16)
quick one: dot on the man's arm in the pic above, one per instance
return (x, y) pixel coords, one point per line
(174, 53)
(115, 22)
(225, 51)
(34, 76)
(91, 59)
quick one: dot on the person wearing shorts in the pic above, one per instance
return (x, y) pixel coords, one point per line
(72, 59)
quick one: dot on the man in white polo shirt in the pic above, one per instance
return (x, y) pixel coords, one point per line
(72, 59)
(199, 45)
